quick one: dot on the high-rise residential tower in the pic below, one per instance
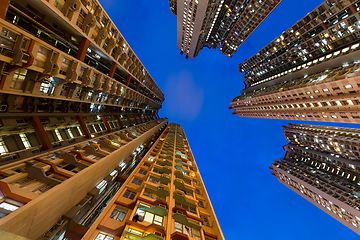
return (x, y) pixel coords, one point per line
(215, 23)
(164, 198)
(79, 127)
(310, 72)
(322, 165)
(59, 193)
(66, 72)
(72, 92)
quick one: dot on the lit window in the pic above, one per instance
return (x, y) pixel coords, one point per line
(3, 148)
(70, 133)
(101, 186)
(102, 236)
(58, 134)
(114, 174)
(136, 232)
(25, 140)
(8, 206)
(18, 79)
(148, 216)
(80, 132)
(122, 165)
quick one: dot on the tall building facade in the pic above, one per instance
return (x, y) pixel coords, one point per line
(59, 193)
(66, 73)
(165, 198)
(217, 23)
(310, 72)
(79, 115)
(321, 164)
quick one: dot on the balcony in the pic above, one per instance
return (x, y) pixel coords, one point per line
(133, 236)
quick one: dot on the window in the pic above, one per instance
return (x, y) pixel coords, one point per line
(44, 87)
(187, 230)
(136, 232)
(7, 206)
(201, 204)
(142, 172)
(114, 174)
(187, 208)
(6, 209)
(197, 191)
(154, 180)
(81, 18)
(102, 236)
(25, 140)
(137, 181)
(95, 32)
(122, 165)
(41, 57)
(80, 132)
(129, 194)
(3, 148)
(59, 4)
(101, 186)
(148, 216)
(58, 135)
(205, 220)
(70, 133)
(118, 214)
(18, 78)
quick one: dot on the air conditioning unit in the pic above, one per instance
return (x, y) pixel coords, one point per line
(158, 234)
(3, 108)
(3, 66)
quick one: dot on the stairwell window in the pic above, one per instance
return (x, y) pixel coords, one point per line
(71, 135)
(79, 130)
(3, 148)
(25, 140)
(58, 135)
(101, 186)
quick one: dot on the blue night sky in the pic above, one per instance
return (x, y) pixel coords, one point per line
(233, 154)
